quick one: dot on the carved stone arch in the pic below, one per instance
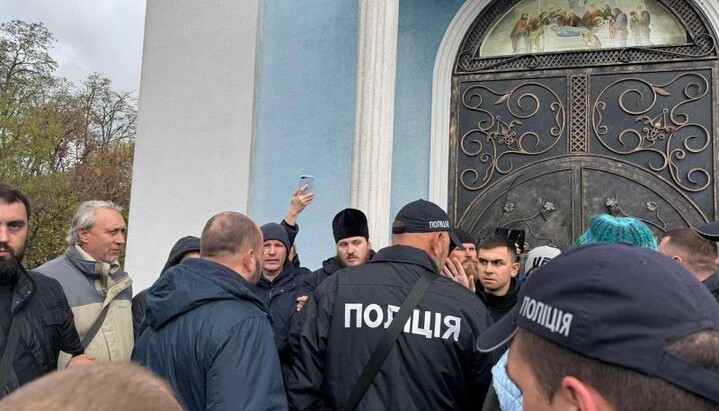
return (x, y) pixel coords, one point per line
(557, 135)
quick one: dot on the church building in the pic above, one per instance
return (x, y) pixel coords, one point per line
(529, 114)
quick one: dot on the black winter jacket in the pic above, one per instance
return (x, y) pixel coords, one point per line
(208, 336)
(434, 365)
(500, 306)
(49, 327)
(279, 296)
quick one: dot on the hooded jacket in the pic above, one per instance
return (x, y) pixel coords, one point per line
(208, 335)
(89, 286)
(434, 365)
(182, 246)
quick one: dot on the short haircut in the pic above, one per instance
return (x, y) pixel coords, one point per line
(84, 218)
(494, 241)
(229, 233)
(96, 387)
(624, 389)
(10, 195)
(699, 253)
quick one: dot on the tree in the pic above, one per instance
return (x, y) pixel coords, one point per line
(59, 143)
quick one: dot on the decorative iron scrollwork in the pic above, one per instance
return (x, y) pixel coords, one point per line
(495, 138)
(668, 133)
(615, 209)
(546, 208)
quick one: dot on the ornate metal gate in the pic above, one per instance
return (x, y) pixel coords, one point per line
(541, 141)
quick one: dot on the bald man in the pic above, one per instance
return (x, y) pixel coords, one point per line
(207, 333)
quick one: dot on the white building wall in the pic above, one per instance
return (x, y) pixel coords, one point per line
(194, 137)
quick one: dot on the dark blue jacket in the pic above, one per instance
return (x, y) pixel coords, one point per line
(208, 335)
(280, 296)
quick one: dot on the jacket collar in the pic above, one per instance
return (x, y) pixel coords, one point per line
(24, 288)
(405, 254)
(87, 265)
(286, 275)
(504, 301)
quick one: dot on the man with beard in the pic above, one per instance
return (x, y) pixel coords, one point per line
(498, 266)
(433, 364)
(351, 233)
(32, 304)
(467, 253)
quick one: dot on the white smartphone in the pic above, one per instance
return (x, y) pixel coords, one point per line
(308, 181)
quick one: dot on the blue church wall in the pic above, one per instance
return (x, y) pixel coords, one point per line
(304, 115)
(305, 109)
(422, 25)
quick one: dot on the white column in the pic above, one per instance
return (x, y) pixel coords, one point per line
(374, 115)
(194, 131)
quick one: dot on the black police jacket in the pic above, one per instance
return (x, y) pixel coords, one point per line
(434, 365)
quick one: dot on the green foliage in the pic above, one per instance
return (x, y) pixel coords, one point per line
(59, 143)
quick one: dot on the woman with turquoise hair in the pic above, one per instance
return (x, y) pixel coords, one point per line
(604, 228)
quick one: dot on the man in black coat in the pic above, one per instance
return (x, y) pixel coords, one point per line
(498, 268)
(434, 365)
(37, 303)
(351, 234)
(280, 280)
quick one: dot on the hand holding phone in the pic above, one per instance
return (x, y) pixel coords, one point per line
(308, 182)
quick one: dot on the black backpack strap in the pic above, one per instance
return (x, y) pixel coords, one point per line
(95, 327)
(6, 369)
(388, 339)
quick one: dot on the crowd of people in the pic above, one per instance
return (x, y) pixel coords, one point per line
(438, 320)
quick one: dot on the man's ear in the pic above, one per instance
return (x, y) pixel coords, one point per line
(577, 396)
(437, 246)
(515, 269)
(82, 235)
(248, 258)
(678, 259)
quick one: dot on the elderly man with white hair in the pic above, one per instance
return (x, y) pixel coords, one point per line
(98, 291)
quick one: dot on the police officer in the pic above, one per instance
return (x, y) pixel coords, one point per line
(433, 365)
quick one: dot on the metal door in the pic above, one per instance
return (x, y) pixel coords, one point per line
(543, 141)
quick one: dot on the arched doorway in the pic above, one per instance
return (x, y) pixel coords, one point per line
(561, 112)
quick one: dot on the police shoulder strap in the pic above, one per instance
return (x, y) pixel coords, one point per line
(388, 339)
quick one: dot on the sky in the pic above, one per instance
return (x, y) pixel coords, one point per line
(103, 36)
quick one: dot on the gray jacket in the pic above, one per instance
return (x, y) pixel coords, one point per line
(89, 286)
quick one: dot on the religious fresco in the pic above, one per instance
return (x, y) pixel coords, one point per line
(539, 26)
